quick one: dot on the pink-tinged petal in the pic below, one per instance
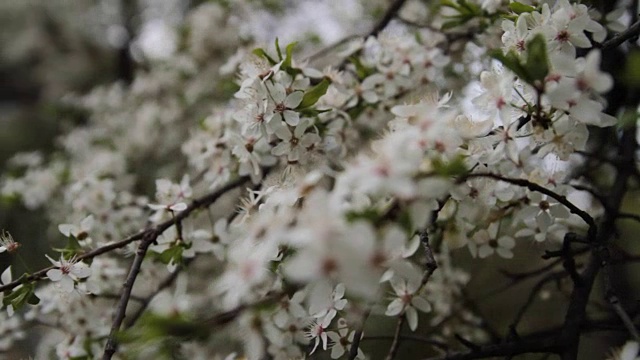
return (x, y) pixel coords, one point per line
(66, 229)
(283, 133)
(87, 223)
(507, 242)
(55, 263)
(544, 220)
(324, 338)
(66, 284)
(398, 285)
(484, 251)
(504, 253)
(394, 308)
(278, 93)
(6, 276)
(309, 139)
(295, 153)
(291, 117)
(81, 270)
(294, 99)
(178, 207)
(421, 304)
(337, 350)
(54, 274)
(157, 206)
(281, 149)
(412, 318)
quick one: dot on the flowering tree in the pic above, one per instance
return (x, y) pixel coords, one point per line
(317, 199)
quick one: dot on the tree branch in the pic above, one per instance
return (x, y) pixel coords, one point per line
(631, 32)
(392, 11)
(195, 205)
(111, 346)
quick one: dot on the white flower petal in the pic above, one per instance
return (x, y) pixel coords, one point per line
(412, 318)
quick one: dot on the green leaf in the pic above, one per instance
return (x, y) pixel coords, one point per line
(512, 62)
(520, 8)
(536, 67)
(470, 8)
(278, 49)
(73, 248)
(361, 70)
(451, 4)
(172, 255)
(451, 24)
(454, 167)
(632, 69)
(263, 54)
(20, 296)
(537, 59)
(286, 64)
(312, 95)
(369, 214)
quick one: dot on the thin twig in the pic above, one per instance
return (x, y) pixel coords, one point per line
(131, 320)
(612, 296)
(535, 187)
(149, 237)
(545, 345)
(623, 215)
(532, 295)
(435, 343)
(134, 270)
(391, 12)
(395, 344)
(195, 205)
(328, 49)
(631, 32)
(357, 337)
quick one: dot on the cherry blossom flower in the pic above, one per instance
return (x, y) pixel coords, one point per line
(282, 105)
(7, 243)
(295, 145)
(67, 272)
(628, 352)
(318, 334)
(407, 301)
(543, 209)
(5, 279)
(172, 195)
(342, 340)
(81, 233)
(325, 302)
(485, 242)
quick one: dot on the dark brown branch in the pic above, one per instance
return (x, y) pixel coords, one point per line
(623, 215)
(357, 337)
(532, 295)
(579, 298)
(395, 344)
(531, 345)
(134, 270)
(149, 237)
(632, 32)
(535, 187)
(147, 300)
(613, 298)
(431, 266)
(391, 12)
(195, 205)
(435, 343)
